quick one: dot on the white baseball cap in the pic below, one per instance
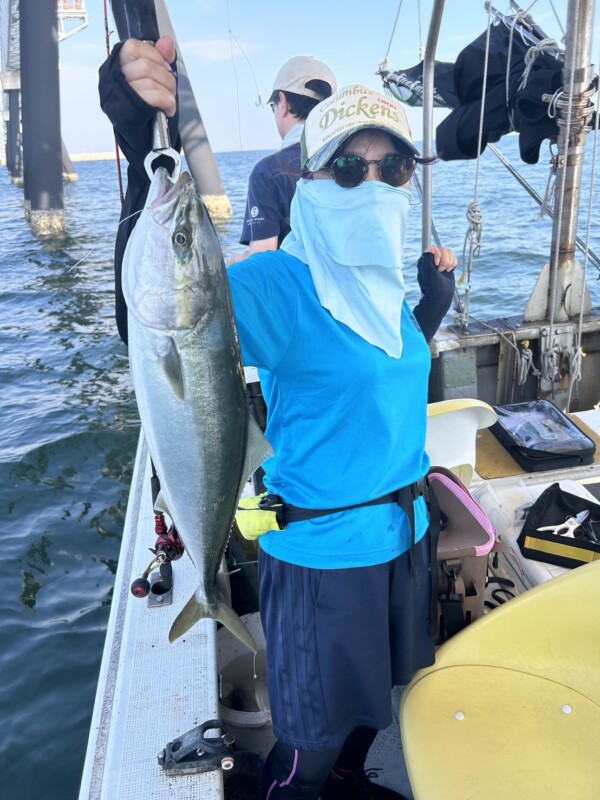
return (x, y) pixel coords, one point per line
(300, 70)
(354, 107)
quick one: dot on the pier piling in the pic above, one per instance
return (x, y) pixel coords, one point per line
(42, 144)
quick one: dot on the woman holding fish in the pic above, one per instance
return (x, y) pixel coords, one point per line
(345, 591)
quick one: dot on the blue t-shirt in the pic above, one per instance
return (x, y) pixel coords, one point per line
(270, 190)
(346, 421)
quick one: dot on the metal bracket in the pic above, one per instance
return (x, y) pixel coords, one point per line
(555, 344)
(160, 598)
(193, 752)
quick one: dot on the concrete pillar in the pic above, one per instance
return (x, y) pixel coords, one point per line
(42, 144)
(14, 161)
(69, 174)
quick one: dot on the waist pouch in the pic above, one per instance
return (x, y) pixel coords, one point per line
(268, 512)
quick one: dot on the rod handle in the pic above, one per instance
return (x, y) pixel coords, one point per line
(136, 19)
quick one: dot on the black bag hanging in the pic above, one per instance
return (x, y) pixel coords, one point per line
(553, 507)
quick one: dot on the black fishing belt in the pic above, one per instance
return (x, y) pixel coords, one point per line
(286, 513)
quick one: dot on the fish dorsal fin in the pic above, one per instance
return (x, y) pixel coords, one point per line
(172, 367)
(258, 450)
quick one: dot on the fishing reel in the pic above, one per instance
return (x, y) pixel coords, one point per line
(168, 548)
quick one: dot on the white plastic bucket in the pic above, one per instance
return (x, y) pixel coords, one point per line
(243, 698)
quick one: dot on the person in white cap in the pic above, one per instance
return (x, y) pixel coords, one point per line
(301, 83)
(346, 599)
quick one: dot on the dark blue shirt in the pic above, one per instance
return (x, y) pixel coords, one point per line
(270, 190)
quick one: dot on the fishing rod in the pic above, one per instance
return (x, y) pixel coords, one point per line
(136, 19)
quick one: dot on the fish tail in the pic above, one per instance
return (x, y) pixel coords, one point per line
(194, 611)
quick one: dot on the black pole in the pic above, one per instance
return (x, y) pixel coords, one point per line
(42, 145)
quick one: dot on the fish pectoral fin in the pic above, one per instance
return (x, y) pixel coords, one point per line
(258, 450)
(194, 611)
(172, 368)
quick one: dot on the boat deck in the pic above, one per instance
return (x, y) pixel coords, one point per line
(150, 692)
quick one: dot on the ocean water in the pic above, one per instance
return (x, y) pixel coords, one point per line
(69, 429)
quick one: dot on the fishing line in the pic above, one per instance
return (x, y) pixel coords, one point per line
(259, 102)
(101, 241)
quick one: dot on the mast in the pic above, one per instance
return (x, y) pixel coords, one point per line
(560, 292)
(428, 76)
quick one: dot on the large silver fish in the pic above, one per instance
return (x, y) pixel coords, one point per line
(189, 384)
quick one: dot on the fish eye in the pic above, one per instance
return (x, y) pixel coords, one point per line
(181, 238)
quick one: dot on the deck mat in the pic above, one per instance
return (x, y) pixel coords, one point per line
(493, 461)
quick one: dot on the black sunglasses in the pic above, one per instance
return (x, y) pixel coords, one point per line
(350, 171)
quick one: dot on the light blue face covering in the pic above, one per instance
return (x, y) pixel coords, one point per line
(352, 241)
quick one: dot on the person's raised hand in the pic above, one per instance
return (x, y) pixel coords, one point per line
(443, 258)
(147, 69)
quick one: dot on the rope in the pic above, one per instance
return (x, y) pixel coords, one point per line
(474, 237)
(474, 216)
(545, 46)
(525, 364)
(550, 361)
(517, 19)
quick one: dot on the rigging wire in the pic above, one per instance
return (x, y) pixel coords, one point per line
(107, 34)
(562, 187)
(560, 25)
(421, 48)
(387, 52)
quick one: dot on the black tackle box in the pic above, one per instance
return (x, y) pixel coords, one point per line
(539, 436)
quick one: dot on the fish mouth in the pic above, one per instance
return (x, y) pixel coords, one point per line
(169, 196)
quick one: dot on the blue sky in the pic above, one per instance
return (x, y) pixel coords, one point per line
(234, 48)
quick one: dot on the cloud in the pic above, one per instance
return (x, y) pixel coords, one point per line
(216, 49)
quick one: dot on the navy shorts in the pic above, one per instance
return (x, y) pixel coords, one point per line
(338, 640)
